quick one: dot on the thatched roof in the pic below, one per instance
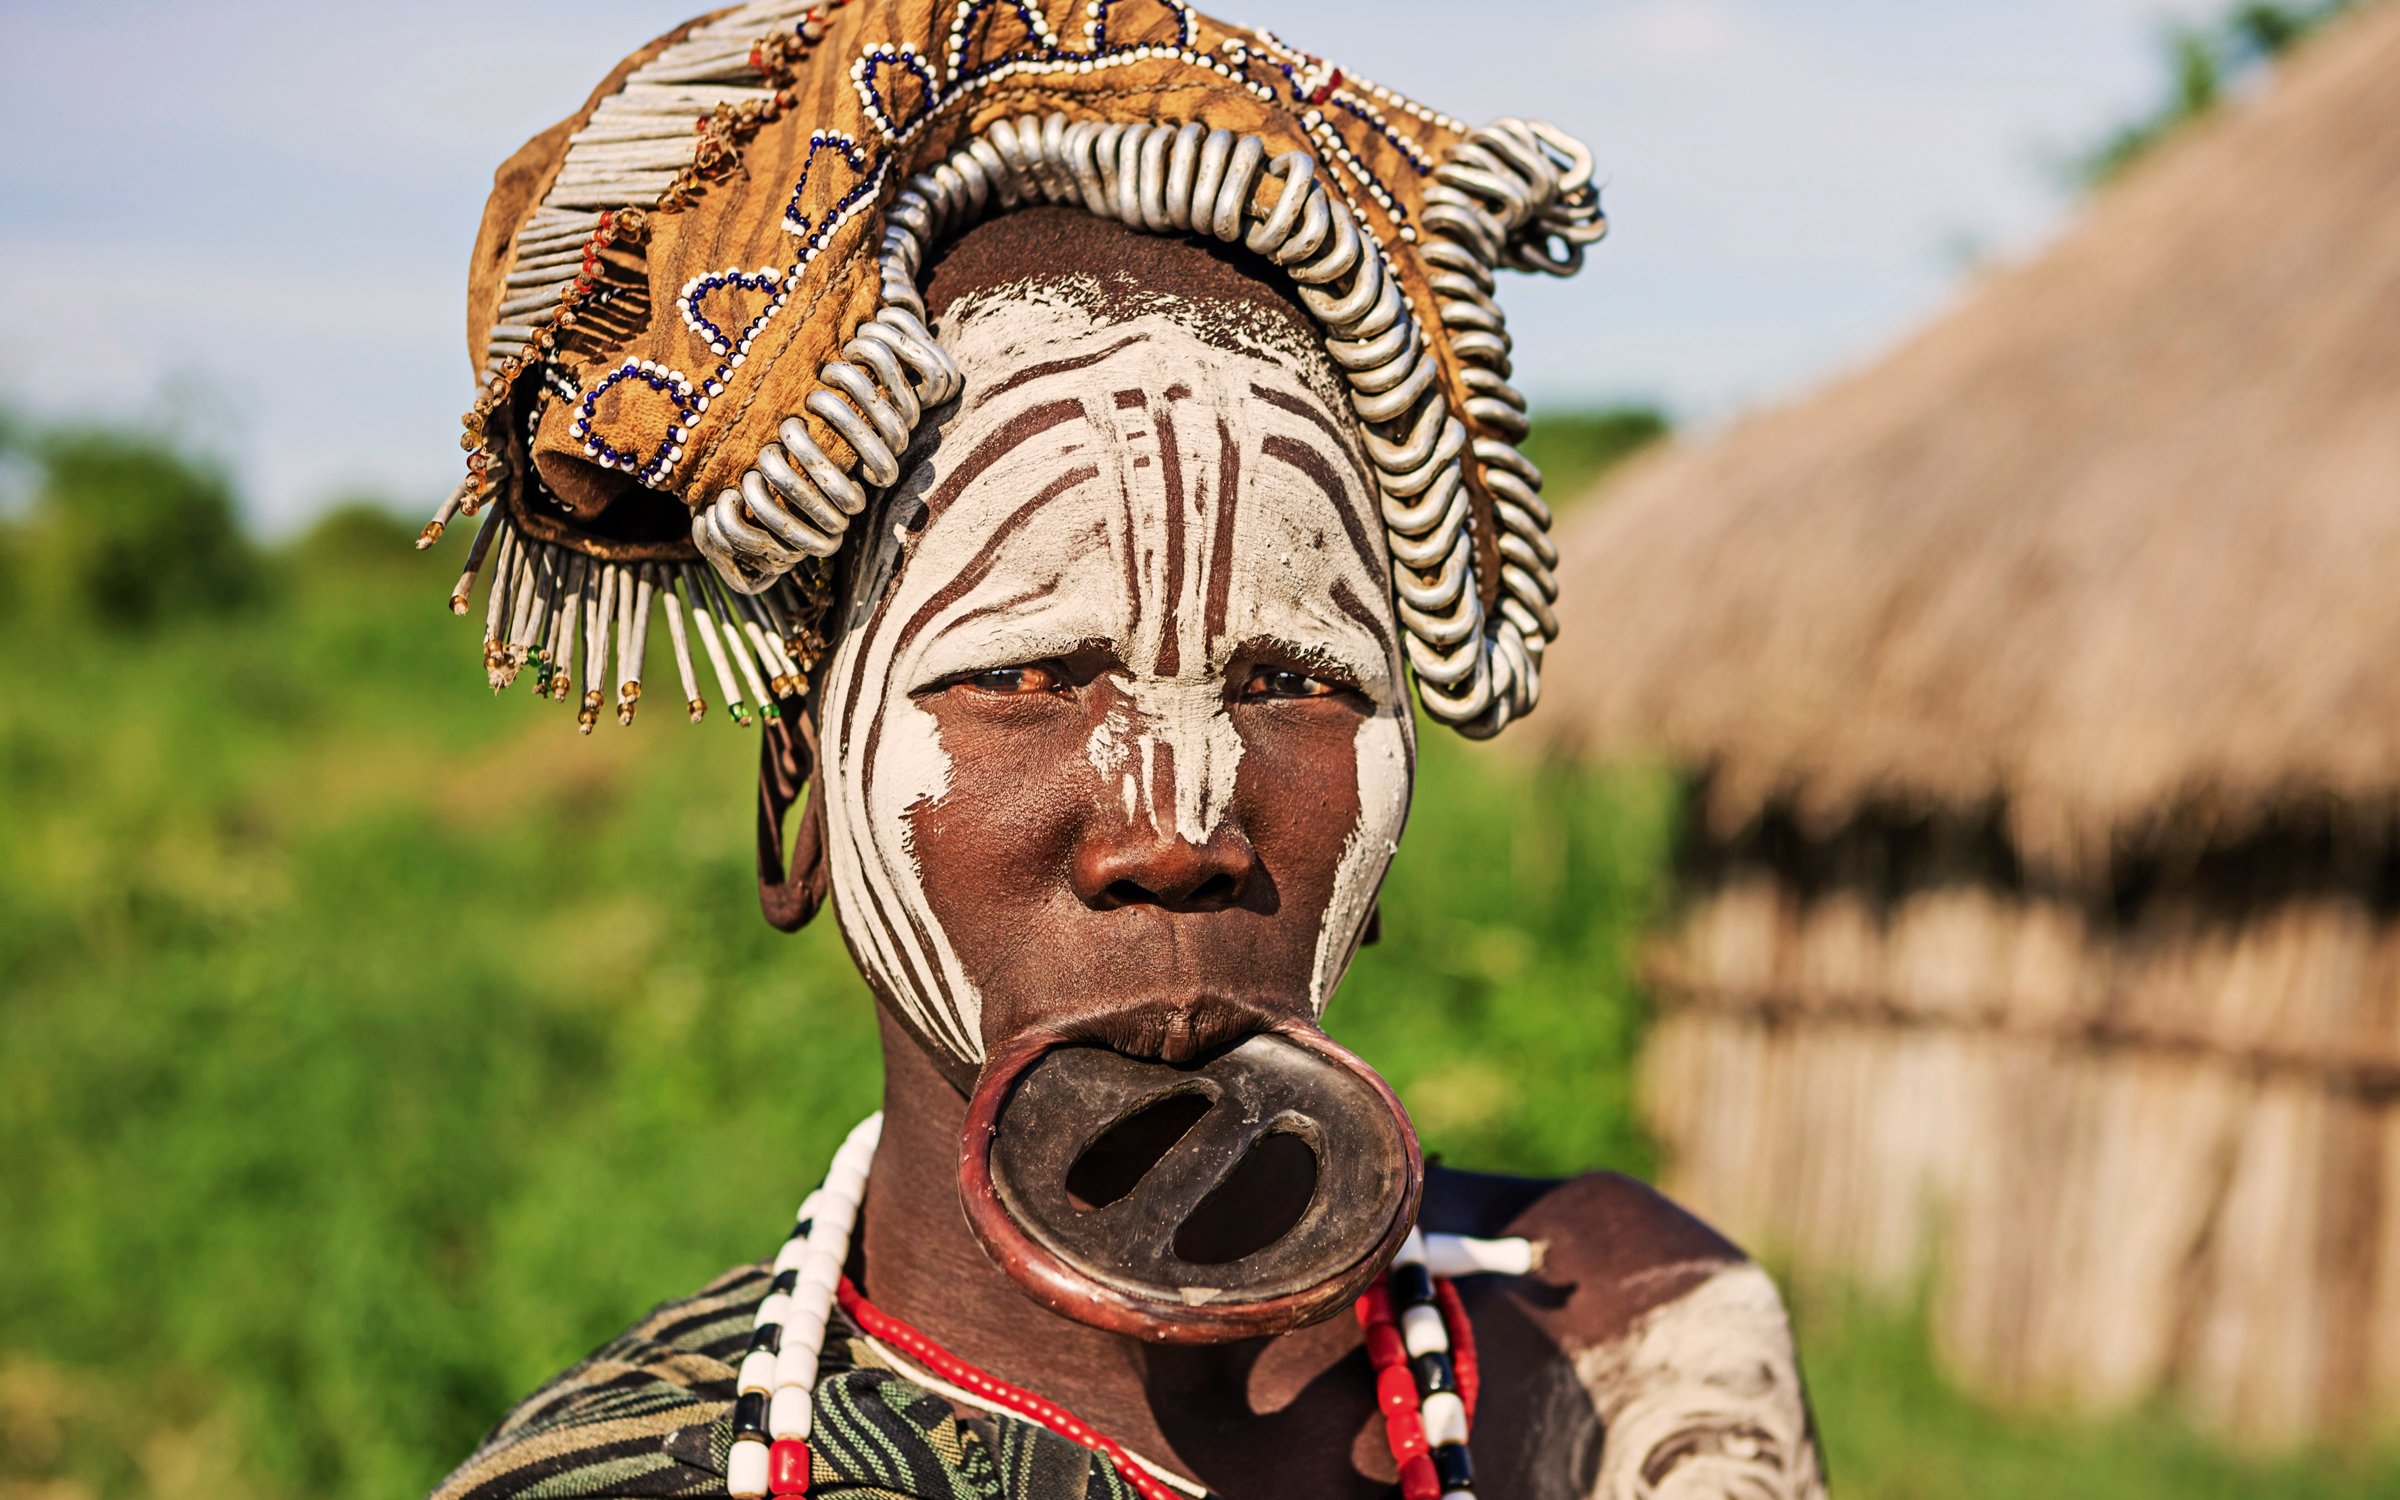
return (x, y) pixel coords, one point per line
(2116, 542)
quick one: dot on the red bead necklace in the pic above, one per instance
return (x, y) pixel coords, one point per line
(1404, 1421)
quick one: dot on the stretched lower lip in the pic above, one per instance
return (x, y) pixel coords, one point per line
(1295, 1080)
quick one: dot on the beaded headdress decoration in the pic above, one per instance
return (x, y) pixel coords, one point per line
(696, 308)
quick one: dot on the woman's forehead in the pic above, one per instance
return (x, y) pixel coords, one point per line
(1139, 482)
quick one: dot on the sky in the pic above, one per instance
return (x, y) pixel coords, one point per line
(251, 218)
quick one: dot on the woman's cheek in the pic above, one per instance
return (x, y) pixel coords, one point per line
(1020, 787)
(1297, 793)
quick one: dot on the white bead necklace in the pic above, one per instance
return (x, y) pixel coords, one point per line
(774, 1404)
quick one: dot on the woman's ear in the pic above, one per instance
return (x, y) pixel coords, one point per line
(787, 755)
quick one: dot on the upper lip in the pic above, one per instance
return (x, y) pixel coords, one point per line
(1173, 1031)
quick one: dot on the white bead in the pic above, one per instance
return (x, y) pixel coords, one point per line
(829, 1237)
(814, 1299)
(847, 1179)
(746, 1470)
(795, 1366)
(758, 1371)
(1457, 1255)
(793, 1253)
(1412, 1250)
(776, 1309)
(788, 1415)
(1421, 1330)
(1445, 1418)
(811, 1339)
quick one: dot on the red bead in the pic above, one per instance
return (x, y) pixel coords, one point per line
(1405, 1431)
(1384, 1348)
(1396, 1391)
(1376, 1306)
(1418, 1481)
(787, 1467)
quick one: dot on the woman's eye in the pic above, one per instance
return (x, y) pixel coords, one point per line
(1275, 682)
(1013, 680)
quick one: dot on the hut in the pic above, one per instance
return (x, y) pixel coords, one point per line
(2039, 686)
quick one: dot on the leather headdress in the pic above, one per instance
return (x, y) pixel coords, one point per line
(697, 310)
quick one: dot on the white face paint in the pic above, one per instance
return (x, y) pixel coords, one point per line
(1111, 478)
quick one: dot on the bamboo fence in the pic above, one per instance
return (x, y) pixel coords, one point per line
(2135, 1156)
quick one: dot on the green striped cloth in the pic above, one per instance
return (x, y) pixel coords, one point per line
(651, 1414)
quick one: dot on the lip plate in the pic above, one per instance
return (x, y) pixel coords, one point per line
(1333, 1263)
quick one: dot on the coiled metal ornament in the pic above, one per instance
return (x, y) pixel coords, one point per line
(1512, 194)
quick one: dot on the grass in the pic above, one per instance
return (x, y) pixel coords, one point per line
(1894, 1429)
(370, 1049)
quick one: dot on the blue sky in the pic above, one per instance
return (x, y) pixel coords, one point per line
(254, 215)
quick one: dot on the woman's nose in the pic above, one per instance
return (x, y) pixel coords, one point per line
(1136, 865)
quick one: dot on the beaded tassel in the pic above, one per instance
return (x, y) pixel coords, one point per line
(570, 615)
(485, 535)
(599, 611)
(696, 705)
(696, 598)
(734, 646)
(445, 514)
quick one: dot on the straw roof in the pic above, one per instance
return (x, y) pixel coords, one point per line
(2115, 543)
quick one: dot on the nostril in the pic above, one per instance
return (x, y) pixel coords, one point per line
(1128, 893)
(1215, 893)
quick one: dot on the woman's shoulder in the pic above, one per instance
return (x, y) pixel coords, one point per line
(642, 1416)
(650, 1413)
(1644, 1326)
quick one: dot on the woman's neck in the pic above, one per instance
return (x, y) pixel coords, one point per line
(922, 1264)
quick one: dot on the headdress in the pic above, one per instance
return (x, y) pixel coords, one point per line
(696, 309)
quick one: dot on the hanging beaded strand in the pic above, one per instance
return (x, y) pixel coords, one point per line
(1418, 1340)
(1423, 1351)
(773, 1403)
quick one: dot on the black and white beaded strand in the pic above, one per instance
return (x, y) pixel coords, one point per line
(1425, 1391)
(774, 1402)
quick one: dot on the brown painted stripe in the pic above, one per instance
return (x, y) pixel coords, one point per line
(1011, 435)
(1170, 456)
(1344, 443)
(1220, 563)
(1312, 463)
(1055, 367)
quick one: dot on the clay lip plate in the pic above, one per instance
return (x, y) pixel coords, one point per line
(1115, 1265)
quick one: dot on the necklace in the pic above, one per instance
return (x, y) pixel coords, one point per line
(1418, 1340)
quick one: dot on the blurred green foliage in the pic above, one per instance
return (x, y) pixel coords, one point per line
(2202, 63)
(1894, 1429)
(125, 531)
(1574, 448)
(371, 1049)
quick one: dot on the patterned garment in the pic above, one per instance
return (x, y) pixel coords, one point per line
(651, 1414)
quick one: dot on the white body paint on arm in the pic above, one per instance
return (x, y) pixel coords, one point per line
(1701, 1400)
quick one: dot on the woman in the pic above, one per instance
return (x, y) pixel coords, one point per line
(1111, 421)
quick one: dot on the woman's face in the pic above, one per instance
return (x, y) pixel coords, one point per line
(1117, 738)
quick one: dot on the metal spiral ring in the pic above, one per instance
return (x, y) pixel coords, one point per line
(1510, 194)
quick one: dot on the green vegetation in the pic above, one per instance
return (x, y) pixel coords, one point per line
(126, 532)
(370, 1048)
(2204, 62)
(1574, 448)
(1895, 1430)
